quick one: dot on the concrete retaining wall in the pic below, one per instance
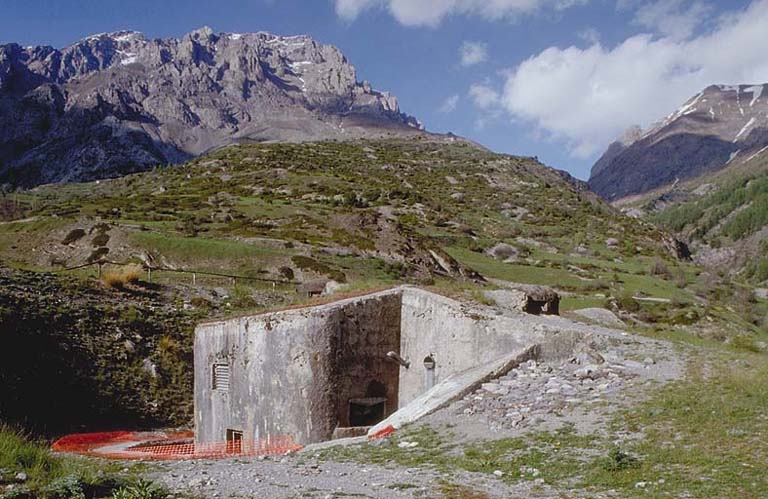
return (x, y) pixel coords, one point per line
(454, 335)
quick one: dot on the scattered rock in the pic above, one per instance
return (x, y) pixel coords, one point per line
(601, 316)
(590, 371)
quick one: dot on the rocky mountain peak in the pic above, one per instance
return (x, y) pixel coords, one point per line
(706, 133)
(129, 102)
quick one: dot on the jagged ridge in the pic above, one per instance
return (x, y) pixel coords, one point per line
(119, 102)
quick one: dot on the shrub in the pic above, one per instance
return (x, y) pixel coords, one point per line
(100, 239)
(659, 268)
(98, 254)
(618, 460)
(141, 490)
(118, 278)
(74, 235)
(628, 303)
(286, 273)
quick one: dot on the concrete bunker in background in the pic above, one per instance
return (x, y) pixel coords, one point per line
(333, 370)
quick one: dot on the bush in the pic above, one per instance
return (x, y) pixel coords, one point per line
(98, 254)
(141, 490)
(74, 235)
(618, 460)
(286, 273)
(100, 239)
(119, 277)
(628, 303)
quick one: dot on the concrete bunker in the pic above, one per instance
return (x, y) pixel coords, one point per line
(335, 370)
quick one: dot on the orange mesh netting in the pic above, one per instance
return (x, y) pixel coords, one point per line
(157, 446)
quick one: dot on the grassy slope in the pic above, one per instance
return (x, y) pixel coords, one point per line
(254, 209)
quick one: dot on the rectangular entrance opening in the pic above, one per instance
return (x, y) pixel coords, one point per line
(367, 411)
(234, 441)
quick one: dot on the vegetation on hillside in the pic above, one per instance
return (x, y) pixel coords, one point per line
(723, 216)
(79, 354)
(237, 230)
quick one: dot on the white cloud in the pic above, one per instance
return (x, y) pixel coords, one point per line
(590, 35)
(350, 9)
(472, 53)
(432, 12)
(586, 97)
(449, 104)
(673, 18)
(483, 95)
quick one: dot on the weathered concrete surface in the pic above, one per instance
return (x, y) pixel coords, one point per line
(453, 388)
(292, 372)
(458, 337)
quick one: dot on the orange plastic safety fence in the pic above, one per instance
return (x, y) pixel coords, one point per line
(178, 446)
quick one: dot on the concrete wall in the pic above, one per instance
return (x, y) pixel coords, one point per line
(368, 329)
(293, 372)
(456, 337)
(459, 337)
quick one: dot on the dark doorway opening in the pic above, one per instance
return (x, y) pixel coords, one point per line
(367, 411)
(234, 441)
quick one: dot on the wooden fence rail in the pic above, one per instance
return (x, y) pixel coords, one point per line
(194, 273)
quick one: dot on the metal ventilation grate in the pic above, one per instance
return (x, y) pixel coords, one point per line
(221, 377)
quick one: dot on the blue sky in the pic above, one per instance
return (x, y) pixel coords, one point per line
(557, 79)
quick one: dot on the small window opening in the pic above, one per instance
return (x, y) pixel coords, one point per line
(234, 441)
(429, 372)
(221, 377)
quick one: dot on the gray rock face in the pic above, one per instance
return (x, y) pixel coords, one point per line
(707, 133)
(117, 103)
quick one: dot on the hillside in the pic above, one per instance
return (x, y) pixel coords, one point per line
(117, 103)
(723, 216)
(715, 127)
(365, 214)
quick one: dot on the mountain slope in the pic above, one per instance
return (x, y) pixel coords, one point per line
(117, 103)
(723, 215)
(706, 134)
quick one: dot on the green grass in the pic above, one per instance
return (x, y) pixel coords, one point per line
(60, 477)
(200, 249)
(526, 274)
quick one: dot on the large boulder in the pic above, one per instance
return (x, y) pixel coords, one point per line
(528, 298)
